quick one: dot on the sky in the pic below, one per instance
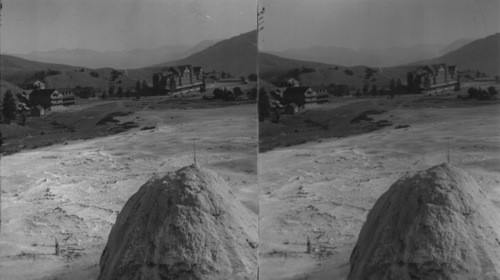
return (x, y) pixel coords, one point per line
(29, 25)
(369, 24)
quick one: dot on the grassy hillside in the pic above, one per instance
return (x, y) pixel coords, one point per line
(273, 68)
(237, 55)
(481, 54)
(5, 86)
(21, 72)
(351, 76)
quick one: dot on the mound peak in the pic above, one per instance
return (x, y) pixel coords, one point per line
(186, 224)
(435, 224)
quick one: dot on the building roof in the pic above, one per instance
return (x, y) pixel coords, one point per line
(292, 105)
(39, 107)
(295, 90)
(439, 66)
(197, 69)
(179, 69)
(428, 69)
(44, 91)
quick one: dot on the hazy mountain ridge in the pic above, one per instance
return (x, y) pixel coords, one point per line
(238, 56)
(373, 57)
(124, 59)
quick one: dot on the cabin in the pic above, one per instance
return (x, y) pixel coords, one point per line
(321, 94)
(177, 78)
(68, 96)
(292, 83)
(37, 111)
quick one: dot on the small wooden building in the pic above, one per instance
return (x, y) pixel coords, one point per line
(291, 109)
(38, 111)
(68, 97)
(321, 94)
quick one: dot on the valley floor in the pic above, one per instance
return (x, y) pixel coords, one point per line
(73, 191)
(324, 189)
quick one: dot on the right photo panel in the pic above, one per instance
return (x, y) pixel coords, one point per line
(379, 139)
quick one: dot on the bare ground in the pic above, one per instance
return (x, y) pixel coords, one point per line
(324, 189)
(73, 191)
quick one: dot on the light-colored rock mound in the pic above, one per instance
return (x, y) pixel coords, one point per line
(436, 224)
(183, 225)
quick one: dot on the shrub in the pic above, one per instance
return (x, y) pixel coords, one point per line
(492, 91)
(348, 72)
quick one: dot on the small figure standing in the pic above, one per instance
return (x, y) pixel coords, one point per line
(308, 245)
(57, 247)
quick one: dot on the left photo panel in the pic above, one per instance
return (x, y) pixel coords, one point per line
(128, 139)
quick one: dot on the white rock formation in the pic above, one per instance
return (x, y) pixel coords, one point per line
(436, 224)
(183, 225)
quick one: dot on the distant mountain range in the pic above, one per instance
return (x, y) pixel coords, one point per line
(372, 57)
(128, 59)
(238, 55)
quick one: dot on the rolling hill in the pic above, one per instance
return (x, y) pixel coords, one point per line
(455, 45)
(481, 54)
(236, 55)
(21, 72)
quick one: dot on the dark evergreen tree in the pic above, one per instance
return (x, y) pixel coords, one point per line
(399, 86)
(119, 92)
(358, 93)
(138, 88)
(410, 82)
(111, 90)
(237, 92)
(9, 110)
(252, 94)
(492, 91)
(392, 86)
(145, 88)
(264, 105)
(374, 90)
(365, 89)
(156, 82)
